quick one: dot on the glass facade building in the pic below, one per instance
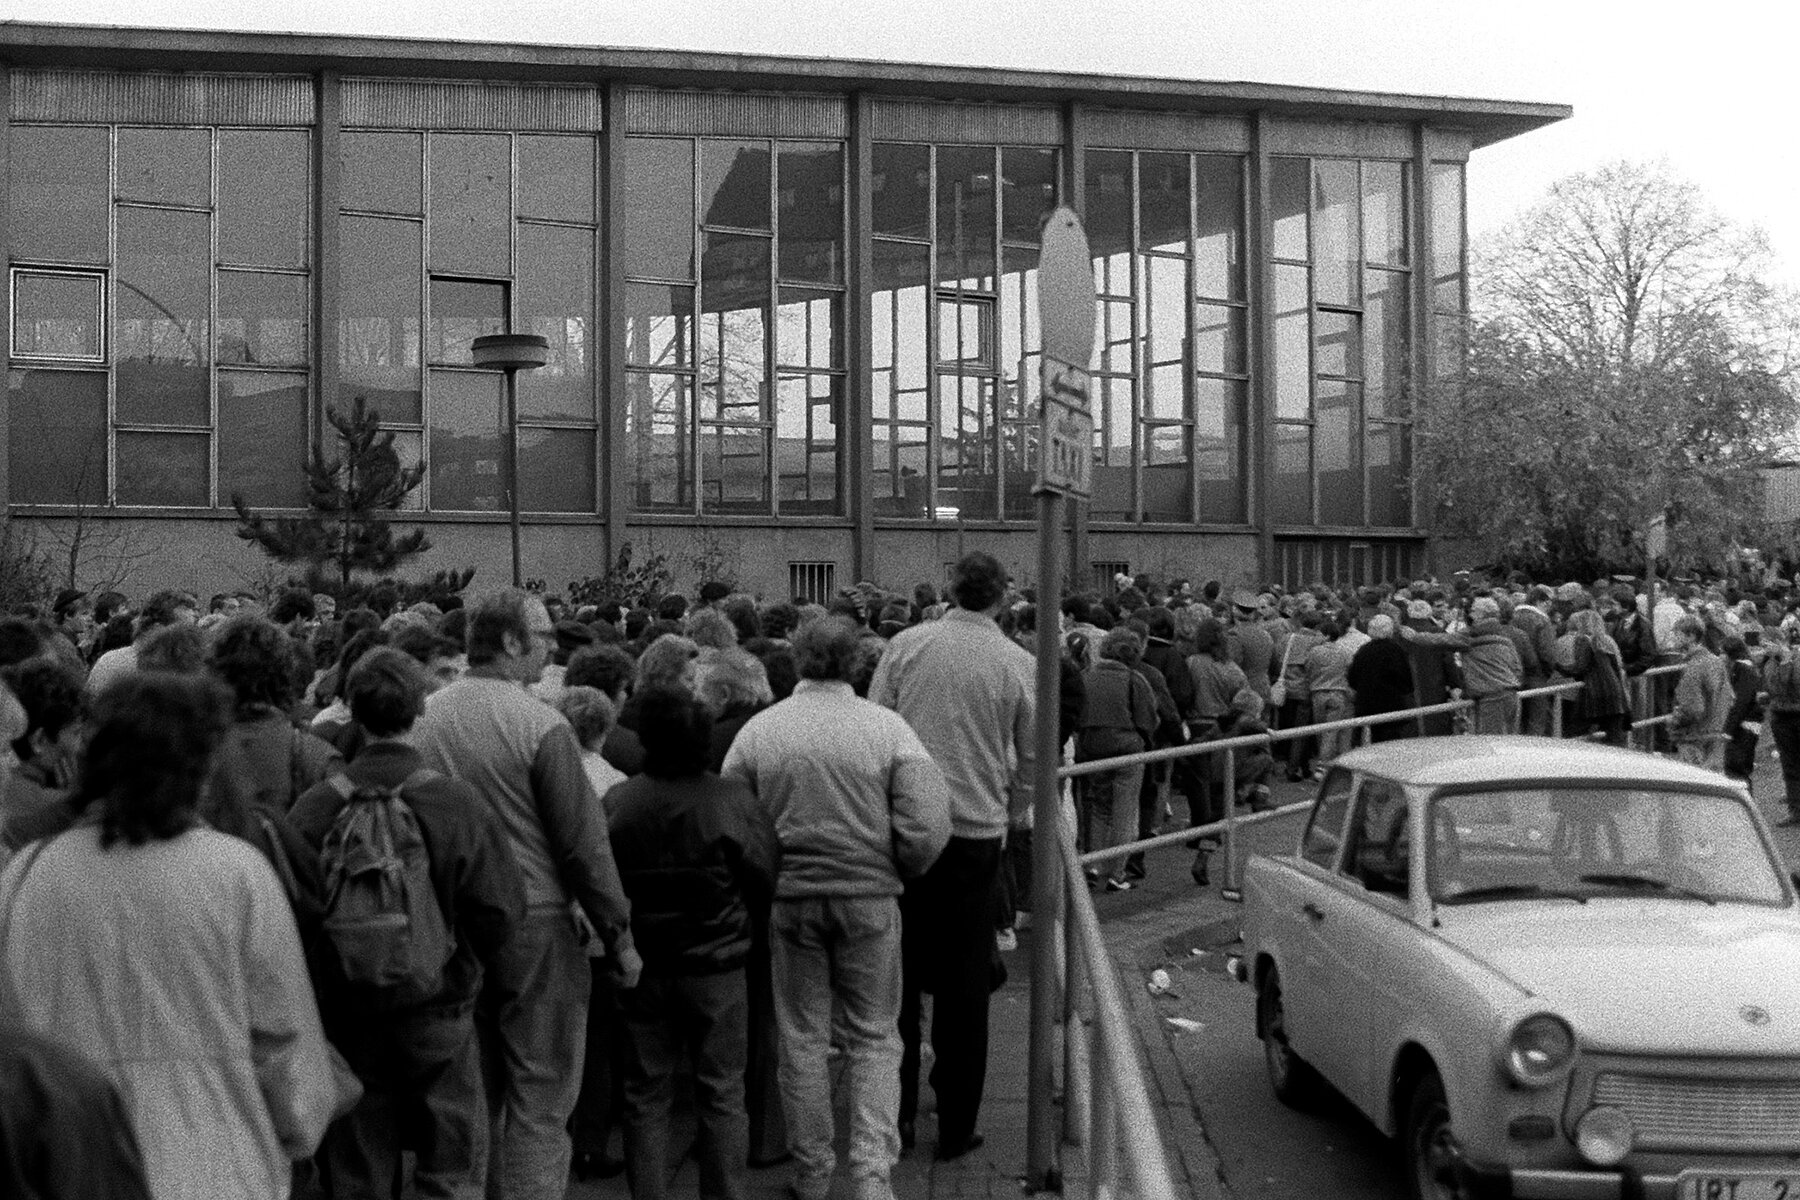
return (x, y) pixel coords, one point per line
(792, 309)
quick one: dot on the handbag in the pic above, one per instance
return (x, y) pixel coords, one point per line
(1278, 690)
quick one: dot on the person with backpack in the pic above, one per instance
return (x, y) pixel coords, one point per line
(405, 945)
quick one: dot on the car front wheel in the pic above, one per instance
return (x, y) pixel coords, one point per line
(1291, 1077)
(1431, 1151)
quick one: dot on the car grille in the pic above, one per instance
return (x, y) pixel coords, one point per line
(1672, 1113)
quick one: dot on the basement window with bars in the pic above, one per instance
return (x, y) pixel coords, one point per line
(812, 582)
(1104, 573)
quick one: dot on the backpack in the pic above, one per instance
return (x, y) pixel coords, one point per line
(381, 913)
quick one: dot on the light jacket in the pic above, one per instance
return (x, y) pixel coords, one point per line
(1702, 697)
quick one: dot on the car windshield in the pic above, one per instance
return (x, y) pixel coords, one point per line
(1583, 844)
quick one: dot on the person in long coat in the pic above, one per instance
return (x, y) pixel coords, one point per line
(1381, 676)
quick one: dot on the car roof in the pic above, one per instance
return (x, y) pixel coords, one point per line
(1488, 759)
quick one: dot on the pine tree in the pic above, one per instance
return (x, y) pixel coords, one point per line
(349, 497)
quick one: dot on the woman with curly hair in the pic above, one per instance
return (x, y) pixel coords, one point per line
(255, 659)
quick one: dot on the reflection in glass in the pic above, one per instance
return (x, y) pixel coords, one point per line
(462, 311)
(1219, 429)
(262, 319)
(966, 332)
(656, 440)
(1447, 236)
(734, 327)
(1018, 468)
(1293, 475)
(901, 189)
(262, 438)
(1450, 340)
(468, 469)
(1336, 232)
(168, 470)
(409, 448)
(1338, 343)
(57, 316)
(1163, 203)
(1384, 213)
(806, 328)
(556, 470)
(556, 178)
(899, 326)
(656, 228)
(58, 193)
(1386, 361)
(734, 184)
(383, 171)
(812, 212)
(1219, 249)
(806, 442)
(1293, 344)
(471, 203)
(378, 329)
(165, 166)
(659, 325)
(1107, 190)
(965, 216)
(900, 464)
(1019, 315)
(1167, 463)
(734, 469)
(1030, 192)
(160, 330)
(1219, 339)
(56, 437)
(1111, 474)
(264, 199)
(1337, 453)
(1289, 187)
(1390, 475)
(556, 302)
(966, 451)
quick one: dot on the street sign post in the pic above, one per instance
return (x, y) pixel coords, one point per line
(1065, 458)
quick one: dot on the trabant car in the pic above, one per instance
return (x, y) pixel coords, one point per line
(1549, 968)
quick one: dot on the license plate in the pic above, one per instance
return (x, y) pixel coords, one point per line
(1705, 1185)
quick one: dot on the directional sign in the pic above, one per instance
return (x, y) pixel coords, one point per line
(1066, 316)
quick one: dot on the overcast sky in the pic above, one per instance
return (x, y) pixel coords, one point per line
(1706, 86)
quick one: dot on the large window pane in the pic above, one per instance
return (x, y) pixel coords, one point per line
(900, 482)
(378, 332)
(1163, 202)
(1386, 362)
(166, 166)
(161, 331)
(471, 203)
(1219, 249)
(556, 470)
(966, 332)
(1111, 475)
(658, 325)
(1018, 468)
(1219, 339)
(556, 178)
(262, 319)
(1165, 310)
(556, 302)
(734, 184)
(806, 442)
(899, 309)
(1289, 187)
(1168, 460)
(806, 328)
(966, 445)
(734, 469)
(1447, 236)
(262, 438)
(1338, 349)
(1115, 336)
(1030, 192)
(1219, 406)
(468, 468)
(1293, 344)
(1107, 191)
(811, 191)
(1390, 475)
(1336, 232)
(734, 326)
(462, 311)
(1165, 397)
(656, 232)
(1293, 475)
(965, 216)
(1384, 213)
(59, 192)
(56, 437)
(409, 448)
(1337, 447)
(383, 171)
(168, 470)
(902, 189)
(657, 416)
(264, 200)
(58, 316)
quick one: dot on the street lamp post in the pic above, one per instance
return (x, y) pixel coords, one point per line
(512, 353)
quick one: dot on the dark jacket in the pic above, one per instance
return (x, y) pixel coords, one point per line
(283, 761)
(724, 732)
(1636, 640)
(1381, 677)
(64, 1131)
(1166, 658)
(472, 871)
(694, 855)
(1071, 695)
(1119, 714)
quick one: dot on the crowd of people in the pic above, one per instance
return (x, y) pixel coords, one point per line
(444, 899)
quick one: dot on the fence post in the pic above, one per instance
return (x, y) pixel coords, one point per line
(1103, 1140)
(1229, 889)
(1556, 724)
(1078, 1005)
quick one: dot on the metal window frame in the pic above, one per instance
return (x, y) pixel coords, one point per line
(101, 276)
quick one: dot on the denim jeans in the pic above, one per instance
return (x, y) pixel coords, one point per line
(843, 950)
(676, 1020)
(1332, 706)
(1496, 712)
(1110, 810)
(602, 1098)
(534, 1034)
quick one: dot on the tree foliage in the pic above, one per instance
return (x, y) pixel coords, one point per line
(349, 495)
(1626, 355)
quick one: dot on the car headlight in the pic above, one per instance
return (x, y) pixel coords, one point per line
(1540, 1050)
(1604, 1135)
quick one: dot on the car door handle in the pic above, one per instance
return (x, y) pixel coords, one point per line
(1314, 911)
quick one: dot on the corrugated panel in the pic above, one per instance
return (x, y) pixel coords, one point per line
(471, 104)
(735, 114)
(980, 124)
(161, 97)
(1222, 133)
(1347, 139)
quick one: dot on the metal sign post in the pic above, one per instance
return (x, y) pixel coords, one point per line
(1065, 456)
